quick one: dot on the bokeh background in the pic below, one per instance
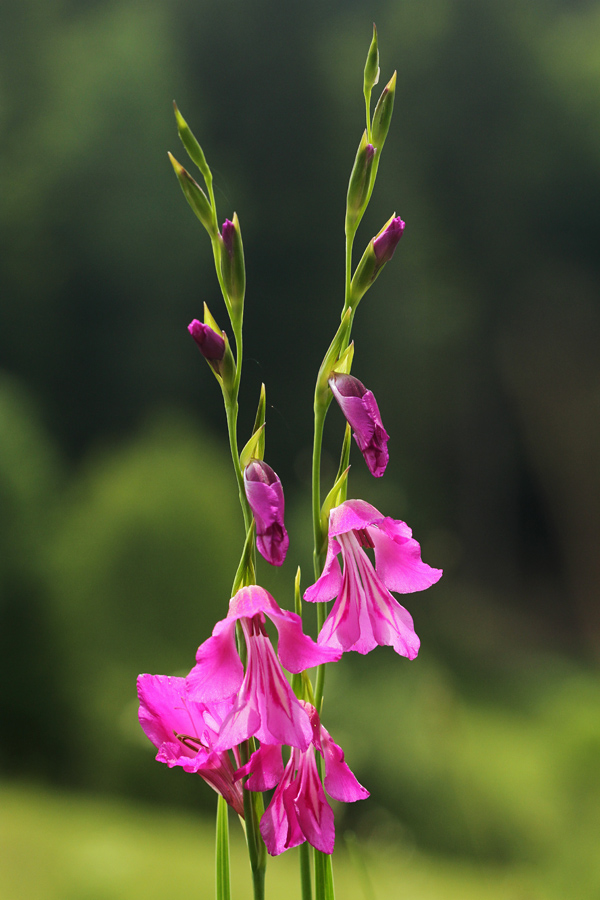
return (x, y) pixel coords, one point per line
(119, 527)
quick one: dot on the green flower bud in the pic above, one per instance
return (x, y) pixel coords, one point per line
(360, 182)
(192, 146)
(232, 265)
(196, 197)
(372, 64)
(383, 113)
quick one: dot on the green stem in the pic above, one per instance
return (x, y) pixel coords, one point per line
(318, 559)
(222, 874)
(231, 410)
(253, 810)
(305, 874)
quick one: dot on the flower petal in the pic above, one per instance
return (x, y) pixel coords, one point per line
(398, 558)
(340, 781)
(315, 815)
(328, 584)
(265, 768)
(218, 672)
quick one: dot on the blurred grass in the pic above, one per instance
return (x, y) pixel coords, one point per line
(73, 847)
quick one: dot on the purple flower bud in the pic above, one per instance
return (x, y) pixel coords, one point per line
(362, 413)
(265, 496)
(385, 243)
(228, 234)
(210, 344)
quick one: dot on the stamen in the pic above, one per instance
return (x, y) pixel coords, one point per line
(184, 738)
(364, 538)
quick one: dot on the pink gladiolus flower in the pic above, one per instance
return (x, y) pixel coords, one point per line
(185, 731)
(365, 614)
(210, 344)
(361, 411)
(299, 810)
(263, 703)
(265, 496)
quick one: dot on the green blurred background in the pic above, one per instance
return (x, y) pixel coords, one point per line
(480, 342)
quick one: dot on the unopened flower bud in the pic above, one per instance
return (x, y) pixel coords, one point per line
(360, 182)
(195, 196)
(265, 497)
(379, 251)
(232, 264)
(372, 64)
(210, 344)
(362, 413)
(215, 349)
(383, 113)
(192, 146)
(386, 241)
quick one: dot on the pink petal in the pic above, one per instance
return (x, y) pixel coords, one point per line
(279, 825)
(265, 768)
(398, 558)
(315, 815)
(250, 601)
(340, 782)
(353, 515)
(328, 584)
(218, 672)
(296, 650)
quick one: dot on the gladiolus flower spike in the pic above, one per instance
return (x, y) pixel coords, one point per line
(365, 614)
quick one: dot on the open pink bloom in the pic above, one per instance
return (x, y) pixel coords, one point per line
(299, 810)
(365, 614)
(185, 731)
(360, 408)
(263, 703)
(265, 496)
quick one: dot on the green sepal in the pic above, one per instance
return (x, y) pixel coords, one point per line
(372, 65)
(246, 573)
(359, 184)
(196, 197)
(322, 392)
(226, 371)
(336, 495)
(222, 875)
(344, 363)
(383, 113)
(255, 448)
(297, 594)
(260, 415)
(193, 148)
(211, 321)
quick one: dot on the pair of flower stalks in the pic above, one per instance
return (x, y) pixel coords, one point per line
(232, 718)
